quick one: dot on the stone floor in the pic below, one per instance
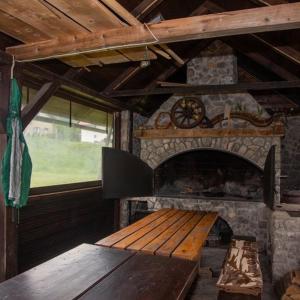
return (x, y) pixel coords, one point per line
(204, 288)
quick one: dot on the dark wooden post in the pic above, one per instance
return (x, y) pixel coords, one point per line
(117, 145)
(8, 223)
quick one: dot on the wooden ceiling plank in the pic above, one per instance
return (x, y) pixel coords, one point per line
(138, 54)
(34, 21)
(26, 33)
(117, 8)
(39, 15)
(91, 14)
(262, 19)
(108, 57)
(20, 30)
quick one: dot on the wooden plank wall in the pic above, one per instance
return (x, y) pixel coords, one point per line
(54, 223)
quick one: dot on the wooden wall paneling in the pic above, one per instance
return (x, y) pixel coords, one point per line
(8, 225)
(53, 223)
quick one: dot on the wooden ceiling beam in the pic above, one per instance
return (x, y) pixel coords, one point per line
(262, 19)
(211, 89)
(34, 71)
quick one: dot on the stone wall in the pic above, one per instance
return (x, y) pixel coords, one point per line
(125, 130)
(291, 155)
(138, 120)
(285, 243)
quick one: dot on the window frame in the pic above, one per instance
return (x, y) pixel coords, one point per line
(60, 188)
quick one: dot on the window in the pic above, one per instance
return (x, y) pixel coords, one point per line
(65, 141)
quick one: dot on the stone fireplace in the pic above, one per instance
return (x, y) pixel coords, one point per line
(222, 173)
(210, 174)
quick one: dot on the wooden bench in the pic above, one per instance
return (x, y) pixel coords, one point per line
(241, 276)
(167, 232)
(93, 272)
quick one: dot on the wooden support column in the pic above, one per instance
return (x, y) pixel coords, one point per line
(8, 224)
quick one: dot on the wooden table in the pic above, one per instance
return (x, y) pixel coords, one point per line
(93, 272)
(167, 232)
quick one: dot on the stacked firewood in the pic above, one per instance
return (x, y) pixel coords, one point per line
(288, 288)
(241, 271)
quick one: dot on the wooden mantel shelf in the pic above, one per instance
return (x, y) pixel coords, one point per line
(277, 130)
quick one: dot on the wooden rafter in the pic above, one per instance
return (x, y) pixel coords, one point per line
(132, 20)
(286, 51)
(262, 19)
(139, 12)
(122, 79)
(145, 8)
(242, 45)
(272, 100)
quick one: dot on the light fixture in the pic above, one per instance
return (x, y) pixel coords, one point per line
(146, 62)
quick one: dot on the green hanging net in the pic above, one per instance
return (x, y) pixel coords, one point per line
(16, 162)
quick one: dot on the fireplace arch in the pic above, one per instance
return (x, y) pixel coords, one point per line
(254, 149)
(209, 173)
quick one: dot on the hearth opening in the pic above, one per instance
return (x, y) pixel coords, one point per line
(220, 235)
(210, 174)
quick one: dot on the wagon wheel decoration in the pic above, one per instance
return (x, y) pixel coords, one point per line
(187, 113)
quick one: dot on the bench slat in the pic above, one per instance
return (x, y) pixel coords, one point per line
(123, 233)
(166, 235)
(147, 238)
(189, 248)
(123, 244)
(167, 248)
(241, 272)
